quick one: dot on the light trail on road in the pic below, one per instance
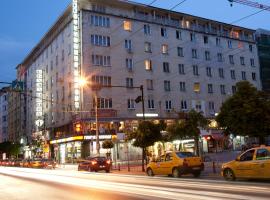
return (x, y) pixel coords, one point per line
(146, 187)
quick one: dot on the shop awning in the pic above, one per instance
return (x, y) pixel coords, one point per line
(217, 136)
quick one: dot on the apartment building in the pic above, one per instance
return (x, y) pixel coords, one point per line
(184, 62)
(263, 43)
(3, 116)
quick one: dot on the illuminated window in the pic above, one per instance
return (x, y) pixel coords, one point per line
(197, 87)
(148, 65)
(127, 25)
(165, 49)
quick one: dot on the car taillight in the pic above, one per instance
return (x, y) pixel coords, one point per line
(94, 162)
(108, 162)
(185, 163)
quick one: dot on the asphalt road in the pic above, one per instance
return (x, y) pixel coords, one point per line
(36, 184)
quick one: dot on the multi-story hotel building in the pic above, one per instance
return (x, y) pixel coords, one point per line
(184, 62)
(3, 116)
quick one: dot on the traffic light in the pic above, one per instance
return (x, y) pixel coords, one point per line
(138, 99)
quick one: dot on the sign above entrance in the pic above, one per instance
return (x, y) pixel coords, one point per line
(104, 113)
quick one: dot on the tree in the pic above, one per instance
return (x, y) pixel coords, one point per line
(246, 113)
(11, 149)
(189, 127)
(107, 144)
(146, 135)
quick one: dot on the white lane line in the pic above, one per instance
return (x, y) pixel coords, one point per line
(153, 191)
(149, 180)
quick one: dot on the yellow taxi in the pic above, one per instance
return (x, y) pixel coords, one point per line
(176, 164)
(253, 163)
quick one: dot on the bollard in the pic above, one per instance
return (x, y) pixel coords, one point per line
(214, 167)
(118, 166)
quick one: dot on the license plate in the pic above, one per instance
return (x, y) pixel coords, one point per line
(102, 166)
(196, 168)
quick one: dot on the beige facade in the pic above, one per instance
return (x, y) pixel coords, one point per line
(184, 62)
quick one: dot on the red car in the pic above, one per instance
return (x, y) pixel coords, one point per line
(95, 164)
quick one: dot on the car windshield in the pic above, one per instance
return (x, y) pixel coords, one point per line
(184, 154)
(100, 158)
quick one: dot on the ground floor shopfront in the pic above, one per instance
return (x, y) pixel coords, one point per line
(74, 149)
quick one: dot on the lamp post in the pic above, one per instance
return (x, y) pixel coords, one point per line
(97, 87)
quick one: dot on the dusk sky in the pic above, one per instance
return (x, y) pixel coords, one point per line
(24, 22)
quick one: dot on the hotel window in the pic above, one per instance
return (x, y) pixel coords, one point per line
(151, 103)
(147, 47)
(127, 25)
(148, 65)
(131, 104)
(210, 88)
(102, 80)
(222, 89)
(99, 40)
(192, 37)
(233, 89)
(63, 55)
(168, 105)
(229, 44)
(218, 42)
(252, 63)
(180, 51)
(209, 71)
(211, 106)
(244, 76)
(231, 59)
(149, 84)
(103, 103)
(164, 49)
(183, 105)
(178, 35)
(163, 32)
(205, 39)
(242, 60)
(100, 21)
(182, 86)
(129, 82)
(253, 76)
(250, 47)
(181, 69)
(221, 72)
(147, 29)
(207, 55)
(167, 86)
(194, 53)
(233, 74)
(166, 67)
(197, 87)
(100, 60)
(128, 44)
(129, 64)
(220, 57)
(195, 70)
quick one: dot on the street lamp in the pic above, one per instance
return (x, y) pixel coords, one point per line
(97, 87)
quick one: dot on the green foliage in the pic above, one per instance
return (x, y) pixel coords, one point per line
(247, 112)
(189, 127)
(11, 149)
(147, 134)
(107, 144)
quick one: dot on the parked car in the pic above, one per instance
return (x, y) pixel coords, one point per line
(48, 164)
(25, 163)
(176, 164)
(252, 164)
(95, 164)
(36, 163)
(17, 162)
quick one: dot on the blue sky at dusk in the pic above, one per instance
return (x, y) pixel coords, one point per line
(24, 22)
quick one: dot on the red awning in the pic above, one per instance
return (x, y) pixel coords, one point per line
(217, 136)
